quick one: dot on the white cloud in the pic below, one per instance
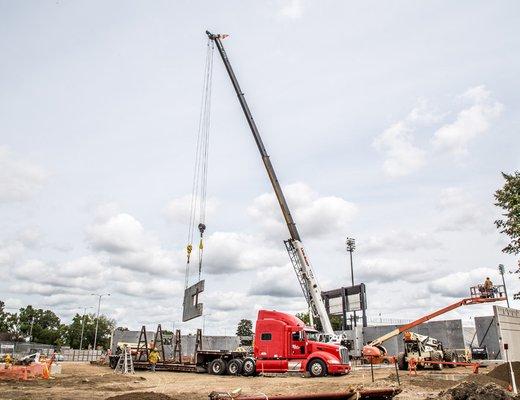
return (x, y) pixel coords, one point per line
(124, 241)
(276, 282)
(402, 156)
(382, 269)
(460, 212)
(228, 252)
(178, 209)
(19, 179)
(316, 216)
(292, 9)
(470, 123)
(457, 284)
(399, 240)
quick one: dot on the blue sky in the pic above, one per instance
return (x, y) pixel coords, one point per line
(388, 122)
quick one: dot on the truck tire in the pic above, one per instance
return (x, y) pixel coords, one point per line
(234, 367)
(317, 368)
(452, 357)
(217, 367)
(401, 362)
(249, 367)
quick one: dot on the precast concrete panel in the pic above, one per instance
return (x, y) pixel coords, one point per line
(508, 323)
(487, 335)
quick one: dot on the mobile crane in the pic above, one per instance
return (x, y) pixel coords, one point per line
(294, 246)
(376, 352)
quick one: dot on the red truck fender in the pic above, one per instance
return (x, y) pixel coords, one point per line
(327, 358)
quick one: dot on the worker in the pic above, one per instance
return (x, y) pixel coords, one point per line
(488, 287)
(153, 358)
(8, 360)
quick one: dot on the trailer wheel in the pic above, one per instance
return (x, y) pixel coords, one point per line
(317, 368)
(217, 367)
(249, 367)
(234, 367)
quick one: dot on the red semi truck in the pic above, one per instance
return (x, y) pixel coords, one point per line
(282, 343)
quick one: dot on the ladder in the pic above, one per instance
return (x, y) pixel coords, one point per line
(125, 365)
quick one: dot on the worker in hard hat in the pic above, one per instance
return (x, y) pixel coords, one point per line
(153, 358)
(488, 287)
(8, 360)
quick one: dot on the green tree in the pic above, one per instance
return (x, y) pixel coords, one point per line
(4, 318)
(335, 321)
(44, 326)
(245, 328)
(105, 328)
(508, 199)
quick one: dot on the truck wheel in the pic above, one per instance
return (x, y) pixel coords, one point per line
(234, 367)
(249, 367)
(401, 362)
(317, 368)
(217, 367)
(453, 357)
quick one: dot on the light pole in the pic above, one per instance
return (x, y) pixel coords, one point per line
(83, 326)
(501, 269)
(204, 323)
(97, 318)
(351, 246)
(30, 331)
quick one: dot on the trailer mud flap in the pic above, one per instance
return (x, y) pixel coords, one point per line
(191, 306)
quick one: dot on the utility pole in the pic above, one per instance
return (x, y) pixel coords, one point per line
(501, 269)
(97, 318)
(30, 331)
(83, 327)
(351, 246)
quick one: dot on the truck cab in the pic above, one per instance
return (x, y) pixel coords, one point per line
(283, 343)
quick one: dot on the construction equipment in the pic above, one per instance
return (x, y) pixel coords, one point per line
(294, 246)
(125, 365)
(375, 351)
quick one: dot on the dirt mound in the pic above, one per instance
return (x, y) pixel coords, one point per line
(475, 391)
(141, 396)
(482, 380)
(502, 372)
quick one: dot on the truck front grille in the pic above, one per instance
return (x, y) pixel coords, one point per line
(343, 352)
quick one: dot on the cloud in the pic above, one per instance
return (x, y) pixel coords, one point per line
(460, 212)
(316, 215)
(382, 269)
(124, 241)
(178, 209)
(457, 284)
(19, 179)
(470, 123)
(228, 252)
(397, 142)
(292, 9)
(399, 240)
(276, 282)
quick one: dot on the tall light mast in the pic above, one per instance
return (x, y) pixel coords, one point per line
(299, 259)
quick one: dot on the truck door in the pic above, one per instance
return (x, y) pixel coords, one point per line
(297, 344)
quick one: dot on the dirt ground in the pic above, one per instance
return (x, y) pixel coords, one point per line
(80, 381)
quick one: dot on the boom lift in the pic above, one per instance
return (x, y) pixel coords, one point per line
(294, 246)
(376, 351)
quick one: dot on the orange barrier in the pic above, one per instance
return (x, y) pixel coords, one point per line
(26, 372)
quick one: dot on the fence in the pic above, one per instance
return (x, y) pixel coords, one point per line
(80, 355)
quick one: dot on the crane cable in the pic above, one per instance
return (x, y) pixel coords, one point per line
(200, 174)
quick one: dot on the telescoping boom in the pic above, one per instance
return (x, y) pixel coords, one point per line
(304, 271)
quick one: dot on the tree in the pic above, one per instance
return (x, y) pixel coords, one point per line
(4, 318)
(335, 321)
(245, 328)
(508, 199)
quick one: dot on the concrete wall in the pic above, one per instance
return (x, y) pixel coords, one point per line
(508, 323)
(487, 335)
(449, 332)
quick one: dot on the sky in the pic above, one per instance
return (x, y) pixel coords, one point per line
(389, 122)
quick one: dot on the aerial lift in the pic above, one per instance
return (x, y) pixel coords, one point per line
(294, 246)
(376, 352)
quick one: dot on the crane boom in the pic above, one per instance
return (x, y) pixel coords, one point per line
(305, 275)
(464, 302)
